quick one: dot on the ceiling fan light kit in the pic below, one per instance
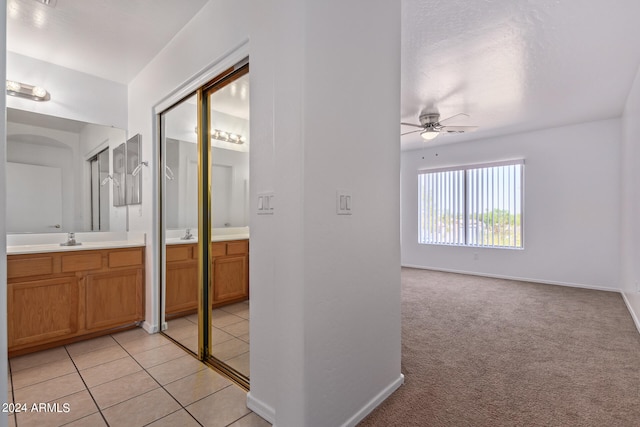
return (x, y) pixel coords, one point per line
(429, 134)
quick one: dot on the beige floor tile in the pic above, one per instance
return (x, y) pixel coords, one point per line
(52, 389)
(221, 408)
(94, 420)
(158, 355)
(145, 343)
(191, 343)
(245, 338)
(221, 318)
(128, 387)
(251, 420)
(98, 357)
(229, 349)
(130, 335)
(79, 404)
(176, 369)
(180, 322)
(238, 328)
(196, 386)
(239, 309)
(193, 318)
(218, 336)
(141, 410)
(183, 331)
(42, 373)
(38, 358)
(93, 344)
(240, 363)
(109, 371)
(179, 418)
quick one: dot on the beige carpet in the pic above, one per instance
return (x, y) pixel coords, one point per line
(488, 352)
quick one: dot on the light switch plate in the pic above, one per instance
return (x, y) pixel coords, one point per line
(266, 203)
(344, 202)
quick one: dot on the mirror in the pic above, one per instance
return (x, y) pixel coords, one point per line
(50, 164)
(134, 167)
(118, 180)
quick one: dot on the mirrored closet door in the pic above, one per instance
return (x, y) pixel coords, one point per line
(205, 211)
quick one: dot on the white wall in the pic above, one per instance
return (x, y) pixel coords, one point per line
(630, 207)
(326, 345)
(3, 236)
(571, 197)
(74, 95)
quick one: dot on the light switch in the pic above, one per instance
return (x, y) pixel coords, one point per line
(343, 202)
(266, 204)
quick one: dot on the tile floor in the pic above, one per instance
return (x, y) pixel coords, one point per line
(126, 379)
(230, 334)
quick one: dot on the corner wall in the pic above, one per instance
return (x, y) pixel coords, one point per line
(630, 206)
(3, 232)
(571, 197)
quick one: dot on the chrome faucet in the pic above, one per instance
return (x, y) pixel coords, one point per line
(71, 240)
(187, 235)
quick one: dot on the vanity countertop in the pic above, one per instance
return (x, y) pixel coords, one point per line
(214, 238)
(50, 242)
(85, 246)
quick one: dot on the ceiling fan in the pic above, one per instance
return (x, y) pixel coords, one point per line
(431, 126)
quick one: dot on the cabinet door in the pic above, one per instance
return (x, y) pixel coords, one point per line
(114, 299)
(41, 311)
(230, 278)
(182, 287)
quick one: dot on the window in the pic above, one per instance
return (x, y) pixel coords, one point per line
(479, 205)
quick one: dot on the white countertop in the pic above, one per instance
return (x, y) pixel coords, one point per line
(50, 242)
(216, 238)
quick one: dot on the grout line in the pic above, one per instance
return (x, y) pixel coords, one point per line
(86, 387)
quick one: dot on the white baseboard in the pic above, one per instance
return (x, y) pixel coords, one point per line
(373, 403)
(634, 315)
(259, 407)
(152, 329)
(520, 279)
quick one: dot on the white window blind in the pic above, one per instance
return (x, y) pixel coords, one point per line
(478, 205)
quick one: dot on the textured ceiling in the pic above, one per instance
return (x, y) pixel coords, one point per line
(512, 65)
(516, 65)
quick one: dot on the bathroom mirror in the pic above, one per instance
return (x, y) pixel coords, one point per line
(134, 168)
(49, 163)
(118, 181)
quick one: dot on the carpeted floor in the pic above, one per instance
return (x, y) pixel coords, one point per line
(488, 352)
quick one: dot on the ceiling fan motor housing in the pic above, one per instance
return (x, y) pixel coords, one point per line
(427, 120)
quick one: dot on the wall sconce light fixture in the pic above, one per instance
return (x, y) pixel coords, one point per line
(23, 90)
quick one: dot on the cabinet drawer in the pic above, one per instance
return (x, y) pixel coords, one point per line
(218, 249)
(179, 253)
(29, 267)
(125, 258)
(237, 248)
(81, 262)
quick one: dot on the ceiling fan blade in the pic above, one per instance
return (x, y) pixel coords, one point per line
(458, 129)
(413, 131)
(456, 115)
(411, 124)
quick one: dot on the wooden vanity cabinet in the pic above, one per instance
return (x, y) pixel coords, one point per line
(182, 280)
(229, 269)
(59, 297)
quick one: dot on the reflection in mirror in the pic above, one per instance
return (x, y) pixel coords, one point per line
(180, 209)
(118, 180)
(229, 121)
(134, 167)
(100, 191)
(49, 164)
